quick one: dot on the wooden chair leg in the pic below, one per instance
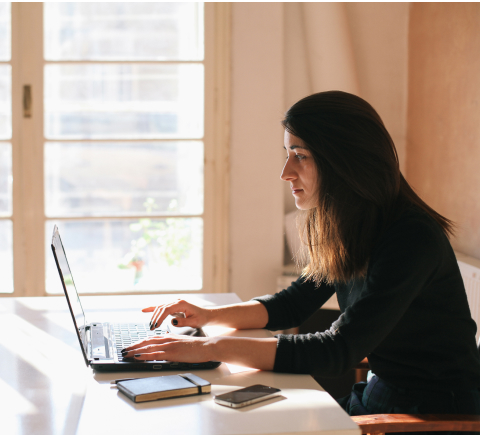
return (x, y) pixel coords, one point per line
(360, 375)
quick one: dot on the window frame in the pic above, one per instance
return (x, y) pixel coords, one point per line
(28, 214)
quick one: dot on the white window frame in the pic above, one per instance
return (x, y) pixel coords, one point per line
(28, 141)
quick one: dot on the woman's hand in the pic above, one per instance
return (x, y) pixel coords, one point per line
(171, 347)
(250, 352)
(195, 316)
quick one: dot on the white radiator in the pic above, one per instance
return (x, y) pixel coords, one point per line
(470, 270)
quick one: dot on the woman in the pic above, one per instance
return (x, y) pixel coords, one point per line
(384, 252)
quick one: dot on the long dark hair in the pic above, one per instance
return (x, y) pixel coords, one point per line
(360, 186)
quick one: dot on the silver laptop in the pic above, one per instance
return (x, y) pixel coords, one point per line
(102, 342)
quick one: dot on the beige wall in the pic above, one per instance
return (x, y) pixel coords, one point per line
(443, 139)
(256, 153)
(379, 34)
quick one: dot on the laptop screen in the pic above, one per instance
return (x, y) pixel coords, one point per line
(68, 283)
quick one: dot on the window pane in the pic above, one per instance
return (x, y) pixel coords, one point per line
(5, 179)
(121, 179)
(6, 257)
(5, 101)
(123, 101)
(5, 31)
(123, 31)
(146, 254)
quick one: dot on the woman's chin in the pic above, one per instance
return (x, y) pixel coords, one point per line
(303, 205)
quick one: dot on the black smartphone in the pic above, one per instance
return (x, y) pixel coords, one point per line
(246, 396)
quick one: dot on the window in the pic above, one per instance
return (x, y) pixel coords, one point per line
(120, 149)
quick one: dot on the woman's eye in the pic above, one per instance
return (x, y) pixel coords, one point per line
(297, 156)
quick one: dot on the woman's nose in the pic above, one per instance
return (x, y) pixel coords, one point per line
(287, 173)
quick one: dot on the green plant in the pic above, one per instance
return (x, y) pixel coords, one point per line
(167, 240)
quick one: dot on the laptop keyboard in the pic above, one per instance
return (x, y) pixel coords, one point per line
(128, 333)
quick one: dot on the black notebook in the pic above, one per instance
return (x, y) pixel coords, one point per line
(164, 387)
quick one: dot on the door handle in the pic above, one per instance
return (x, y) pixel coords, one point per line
(27, 101)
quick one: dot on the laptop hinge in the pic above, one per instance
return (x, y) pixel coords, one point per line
(97, 341)
(86, 339)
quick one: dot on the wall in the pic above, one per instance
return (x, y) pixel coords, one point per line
(256, 153)
(379, 33)
(443, 136)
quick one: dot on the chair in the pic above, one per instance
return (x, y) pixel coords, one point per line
(361, 370)
(379, 424)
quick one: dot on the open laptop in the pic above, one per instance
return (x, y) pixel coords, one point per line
(102, 342)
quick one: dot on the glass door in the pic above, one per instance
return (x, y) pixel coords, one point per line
(6, 228)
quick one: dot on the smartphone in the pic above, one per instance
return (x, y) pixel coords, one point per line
(246, 396)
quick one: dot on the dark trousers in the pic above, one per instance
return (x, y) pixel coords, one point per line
(379, 397)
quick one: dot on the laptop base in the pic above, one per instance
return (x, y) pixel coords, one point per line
(151, 366)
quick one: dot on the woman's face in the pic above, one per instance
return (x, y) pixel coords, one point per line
(301, 172)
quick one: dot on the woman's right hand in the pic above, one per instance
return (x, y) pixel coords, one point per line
(184, 313)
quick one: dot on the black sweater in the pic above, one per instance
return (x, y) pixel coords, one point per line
(409, 315)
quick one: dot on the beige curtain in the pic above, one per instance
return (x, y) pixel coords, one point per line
(318, 50)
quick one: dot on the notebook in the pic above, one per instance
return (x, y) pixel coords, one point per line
(164, 387)
(101, 342)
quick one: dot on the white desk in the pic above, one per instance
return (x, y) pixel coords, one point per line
(46, 388)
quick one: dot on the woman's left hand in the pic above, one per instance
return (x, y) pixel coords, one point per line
(257, 353)
(171, 347)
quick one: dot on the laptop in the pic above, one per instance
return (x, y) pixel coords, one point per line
(102, 342)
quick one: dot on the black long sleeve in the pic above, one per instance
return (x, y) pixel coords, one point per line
(409, 315)
(296, 304)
